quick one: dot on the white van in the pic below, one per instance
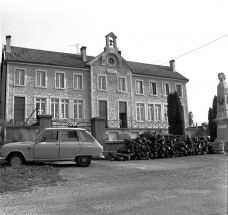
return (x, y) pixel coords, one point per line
(55, 144)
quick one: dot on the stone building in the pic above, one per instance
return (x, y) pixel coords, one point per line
(78, 87)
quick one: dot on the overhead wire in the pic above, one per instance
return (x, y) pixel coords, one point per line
(196, 49)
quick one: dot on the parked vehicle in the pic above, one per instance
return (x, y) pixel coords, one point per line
(54, 144)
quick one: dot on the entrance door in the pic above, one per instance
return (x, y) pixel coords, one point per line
(123, 114)
(103, 110)
(19, 108)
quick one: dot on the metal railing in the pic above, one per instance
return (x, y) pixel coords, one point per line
(71, 123)
(138, 124)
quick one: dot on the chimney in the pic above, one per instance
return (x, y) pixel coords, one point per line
(119, 52)
(172, 65)
(83, 53)
(8, 40)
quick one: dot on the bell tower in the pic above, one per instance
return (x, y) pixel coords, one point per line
(111, 41)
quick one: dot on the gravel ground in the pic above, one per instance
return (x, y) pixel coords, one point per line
(188, 185)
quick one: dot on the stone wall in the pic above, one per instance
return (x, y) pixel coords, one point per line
(30, 91)
(18, 134)
(112, 95)
(146, 98)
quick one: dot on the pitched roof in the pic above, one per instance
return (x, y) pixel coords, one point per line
(26, 55)
(36, 56)
(155, 70)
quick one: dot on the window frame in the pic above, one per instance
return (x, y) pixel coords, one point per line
(98, 78)
(118, 84)
(163, 90)
(142, 119)
(148, 104)
(61, 99)
(45, 76)
(77, 74)
(164, 112)
(83, 108)
(64, 80)
(25, 77)
(58, 105)
(136, 87)
(46, 105)
(182, 92)
(155, 112)
(152, 81)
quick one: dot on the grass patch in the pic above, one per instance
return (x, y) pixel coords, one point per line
(15, 179)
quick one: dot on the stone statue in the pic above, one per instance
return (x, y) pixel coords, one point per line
(222, 114)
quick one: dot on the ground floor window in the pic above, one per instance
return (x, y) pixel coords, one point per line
(55, 108)
(166, 113)
(78, 109)
(140, 111)
(64, 108)
(41, 106)
(157, 111)
(150, 112)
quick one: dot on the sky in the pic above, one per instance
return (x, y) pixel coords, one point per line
(148, 31)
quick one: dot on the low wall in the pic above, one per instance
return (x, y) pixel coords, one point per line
(18, 133)
(119, 134)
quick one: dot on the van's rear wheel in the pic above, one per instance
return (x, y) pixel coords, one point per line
(83, 161)
(15, 160)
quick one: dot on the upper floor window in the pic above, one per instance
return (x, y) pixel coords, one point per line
(102, 82)
(122, 84)
(59, 82)
(41, 79)
(77, 82)
(111, 61)
(20, 77)
(179, 90)
(140, 111)
(139, 86)
(153, 88)
(165, 87)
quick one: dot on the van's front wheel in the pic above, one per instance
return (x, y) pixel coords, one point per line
(83, 161)
(15, 160)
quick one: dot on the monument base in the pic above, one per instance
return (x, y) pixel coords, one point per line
(222, 135)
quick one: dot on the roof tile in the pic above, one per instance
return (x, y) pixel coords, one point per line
(36, 56)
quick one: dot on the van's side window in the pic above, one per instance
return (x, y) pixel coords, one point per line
(69, 136)
(86, 136)
(50, 136)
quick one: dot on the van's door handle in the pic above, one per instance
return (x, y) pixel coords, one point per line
(89, 146)
(56, 144)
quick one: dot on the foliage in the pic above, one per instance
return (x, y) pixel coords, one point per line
(210, 121)
(190, 118)
(175, 115)
(212, 114)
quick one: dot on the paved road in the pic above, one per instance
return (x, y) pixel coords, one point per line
(189, 185)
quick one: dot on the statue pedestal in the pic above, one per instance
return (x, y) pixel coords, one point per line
(222, 114)
(222, 135)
